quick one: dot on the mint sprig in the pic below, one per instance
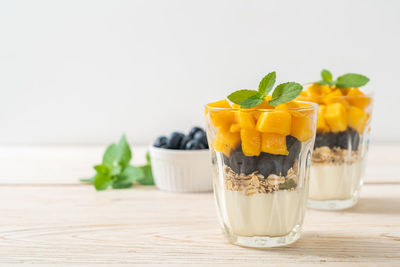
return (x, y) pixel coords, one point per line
(348, 80)
(116, 171)
(285, 92)
(251, 98)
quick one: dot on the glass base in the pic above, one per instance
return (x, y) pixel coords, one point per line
(264, 241)
(332, 204)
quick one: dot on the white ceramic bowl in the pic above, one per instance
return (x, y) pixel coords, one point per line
(181, 170)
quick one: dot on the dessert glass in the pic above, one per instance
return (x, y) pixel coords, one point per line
(261, 160)
(341, 145)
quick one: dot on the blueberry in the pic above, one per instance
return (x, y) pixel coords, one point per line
(160, 141)
(270, 164)
(325, 139)
(343, 140)
(294, 147)
(184, 141)
(240, 163)
(202, 137)
(194, 130)
(235, 160)
(194, 144)
(174, 140)
(355, 139)
(249, 165)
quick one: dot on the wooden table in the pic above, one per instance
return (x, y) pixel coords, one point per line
(47, 216)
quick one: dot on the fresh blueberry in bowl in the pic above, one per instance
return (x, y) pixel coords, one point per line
(201, 136)
(160, 141)
(195, 140)
(194, 130)
(194, 145)
(184, 142)
(174, 140)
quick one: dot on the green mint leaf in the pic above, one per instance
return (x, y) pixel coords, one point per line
(148, 160)
(351, 80)
(148, 175)
(326, 76)
(102, 181)
(285, 92)
(115, 170)
(102, 168)
(112, 155)
(267, 83)
(252, 101)
(130, 174)
(125, 152)
(87, 180)
(240, 96)
(121, 185)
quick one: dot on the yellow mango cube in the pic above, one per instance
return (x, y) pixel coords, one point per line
(220, 118)
(235, 128)
(322, 126)
(318, 90)
(276, 121)
(245, 119)
(358, 99)
(251, 142)
(336, 117)
(225, 141)
(357, 118)
(274, 144)
(302, 127)
(335, 97)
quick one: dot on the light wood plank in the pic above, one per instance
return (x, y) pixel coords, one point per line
(64, 165)
(75, 224)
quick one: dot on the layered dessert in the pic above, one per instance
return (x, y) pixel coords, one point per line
(338, 158)
(261, 156)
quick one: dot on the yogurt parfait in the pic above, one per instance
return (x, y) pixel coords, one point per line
(261, 153)
(341, 143)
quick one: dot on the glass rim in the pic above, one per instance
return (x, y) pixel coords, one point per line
(312, 106)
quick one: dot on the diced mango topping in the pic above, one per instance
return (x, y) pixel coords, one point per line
(251, 142)
(339, 108)
(235, 128)
(221, 118)
(357, 119)
(277, 121)
(225, 141)
(246, 119)
(335, 117)
(274, 144)
(302, 127)
(358, 99)
(322, 126)
(318, 90)
(335, 97)
(257, 130)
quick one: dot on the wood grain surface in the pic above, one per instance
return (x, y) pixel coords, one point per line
(63, 222)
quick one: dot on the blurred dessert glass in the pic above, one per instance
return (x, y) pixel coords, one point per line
(341, 145)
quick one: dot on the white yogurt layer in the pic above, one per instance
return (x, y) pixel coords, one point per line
(335, 182)
(272, 214)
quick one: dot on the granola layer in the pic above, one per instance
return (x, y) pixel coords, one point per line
(335, 156)
(257, 183)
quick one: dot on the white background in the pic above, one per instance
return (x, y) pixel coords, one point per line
(84, 72)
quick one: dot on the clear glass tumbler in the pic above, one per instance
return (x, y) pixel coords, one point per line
(261, 162)
(341, 145)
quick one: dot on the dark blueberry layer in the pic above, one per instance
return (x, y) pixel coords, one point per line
(344, 140)
(265, 163)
